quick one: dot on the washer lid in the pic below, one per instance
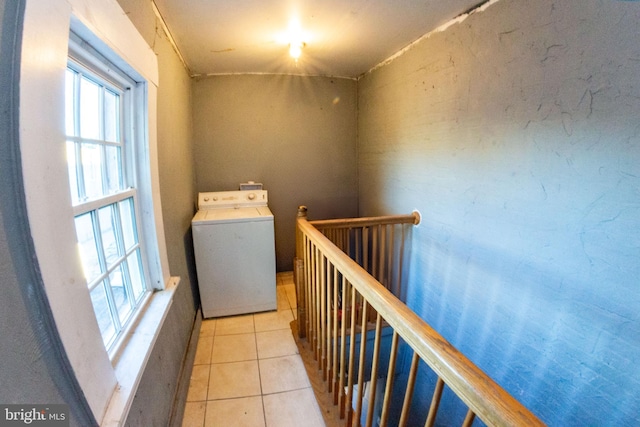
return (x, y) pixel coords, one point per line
(232, 215)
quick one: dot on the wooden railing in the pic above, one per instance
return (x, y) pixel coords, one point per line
(355, 325)
(376, 244)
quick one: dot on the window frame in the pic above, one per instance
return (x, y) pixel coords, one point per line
(86, 61)
(109, 385)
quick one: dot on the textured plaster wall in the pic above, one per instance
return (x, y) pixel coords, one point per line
(516, 134)
(296, 135)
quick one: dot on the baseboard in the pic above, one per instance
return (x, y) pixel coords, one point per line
(177, 411)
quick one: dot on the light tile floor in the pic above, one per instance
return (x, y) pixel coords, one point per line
(248, 372)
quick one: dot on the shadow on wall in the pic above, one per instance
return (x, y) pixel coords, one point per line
(532, 330)
(191, 266)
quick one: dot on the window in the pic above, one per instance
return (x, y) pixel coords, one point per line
(100, 121)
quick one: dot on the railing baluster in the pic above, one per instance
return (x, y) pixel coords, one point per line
(352, 356)
(317, 340)
(408, 395)
(374, 370)
(381, 255)
(361, 360)
(357, 238)
(345, 240)
(314, 299)
(310, 301)
(328, 326)
(334, 365)
(398, 292)
(365, 248)
(390, 259)
(301, 293)
(468, 420)
(324, 299)
(323, 316)
(375, 232)
(435, 403)
(343, 345)
(391, 372)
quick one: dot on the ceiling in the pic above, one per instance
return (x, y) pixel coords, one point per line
(343, 38)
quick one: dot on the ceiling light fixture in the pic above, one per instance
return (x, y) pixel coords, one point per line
(295, 49)
(295, 38)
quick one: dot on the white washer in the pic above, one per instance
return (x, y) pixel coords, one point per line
(233, 240)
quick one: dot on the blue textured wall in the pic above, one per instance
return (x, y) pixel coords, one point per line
(516, 133)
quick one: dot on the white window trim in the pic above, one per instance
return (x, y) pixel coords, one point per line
(153, 231)
(44, 58)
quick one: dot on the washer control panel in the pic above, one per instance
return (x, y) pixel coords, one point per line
(232, 199)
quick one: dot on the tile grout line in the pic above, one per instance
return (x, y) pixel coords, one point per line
(206, 402)
(255, 340)
(258, 358)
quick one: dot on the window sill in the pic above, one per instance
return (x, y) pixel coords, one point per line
(132, 360)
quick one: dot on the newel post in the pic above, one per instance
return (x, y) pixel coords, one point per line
(298, 274)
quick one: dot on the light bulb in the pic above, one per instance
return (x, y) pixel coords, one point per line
(295, 49)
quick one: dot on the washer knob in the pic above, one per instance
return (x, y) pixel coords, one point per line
(251, 196)
(206, 199)
(215, 199)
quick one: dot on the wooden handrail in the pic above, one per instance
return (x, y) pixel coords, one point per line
(478, 391)
(413, 218)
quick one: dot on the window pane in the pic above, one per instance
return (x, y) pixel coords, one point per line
(92, 170)
(135, 271)
(103, 314)
(72, 167)
(89, 109)
(114, 171)
(128, 223)
(69, 103)
(88, 247)
(111, 125)
(119, 291)
(108, 233)
(98, 161)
